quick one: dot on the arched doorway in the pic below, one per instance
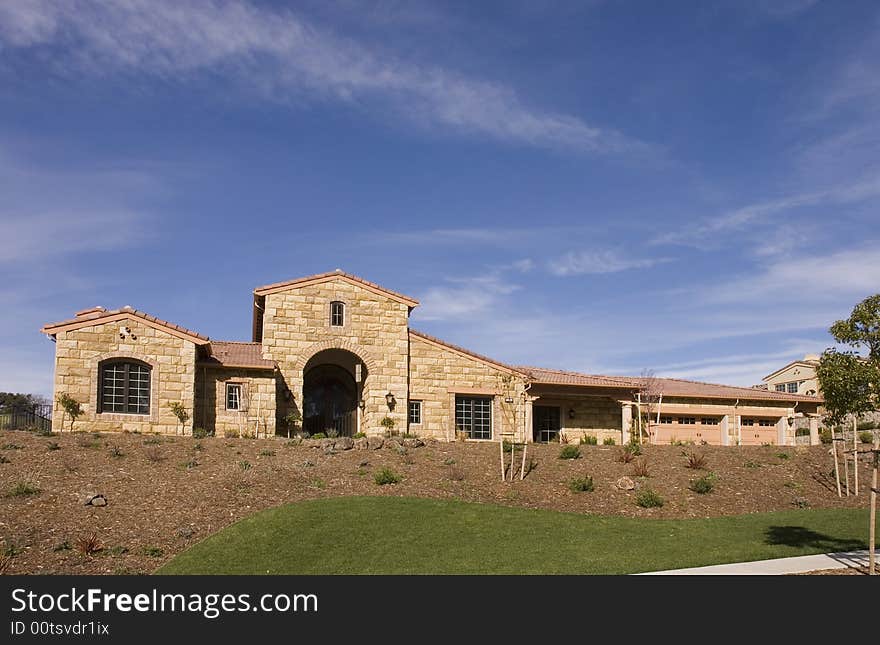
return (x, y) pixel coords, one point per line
(331, 392)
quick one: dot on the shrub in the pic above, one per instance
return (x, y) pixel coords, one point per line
(752, 464)
(633, 448)
(180, 413)
(190, 464)
(199, 433)
(244, 465)
(3, 459)
(868, 425)
(332, 434)
(53, 445)
(388, 424)
(696, 461)
(449, 461)
(5, 563)
(154, 454)
(116, 451)
(649, 499)
(12, 446)
(825, 435)
(570, 452)
(866, 437)
(801, 502)
(152, 441)
(783, 455)
(624, 456)
(703, 485)
(608, 441)
(360, 435)
(267, 453)
(70, 407)
(640, 467)
(581, 485)
(456, 474)
(231, 433)
(89, 544)
(153, 551)
(319, 435)
(23, 488)
(387, 476)
(589, 440)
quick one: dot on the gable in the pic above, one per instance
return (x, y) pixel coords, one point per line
(335, 276)
(797, 371)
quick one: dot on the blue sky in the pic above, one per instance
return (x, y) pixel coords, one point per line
(607, 187)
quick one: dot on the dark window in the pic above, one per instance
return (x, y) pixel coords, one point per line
(233, 396)
(780, 387)
(415, 412)
(791, 388)
(766, 422)
(337, 314)
(748, 422)
(473, 416)
(709, 421)
(665, 419)
(687, 420)
(125, 387)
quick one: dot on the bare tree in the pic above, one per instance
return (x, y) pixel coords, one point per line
(649, 397)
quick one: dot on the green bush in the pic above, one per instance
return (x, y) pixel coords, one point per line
(783, 455)
(570, 452)
(608, 441)
(868, 425)
(633, 448)
(23, 489)
(319, 435)
(360, 435)
(649, 499)
(703, 485)
(589, 440)
(825, 435)
(866, 437)
(581, 485)
(199, 433)
(387, 476)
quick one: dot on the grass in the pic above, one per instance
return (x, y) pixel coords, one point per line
(402, 535)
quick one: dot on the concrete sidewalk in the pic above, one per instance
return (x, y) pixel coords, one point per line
(778, 567)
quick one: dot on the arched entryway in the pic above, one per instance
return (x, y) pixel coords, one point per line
(332, 389)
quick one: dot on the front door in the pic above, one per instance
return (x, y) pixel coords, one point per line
(329, 401)
(545, 423)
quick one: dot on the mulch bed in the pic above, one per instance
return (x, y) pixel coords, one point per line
(166, 493)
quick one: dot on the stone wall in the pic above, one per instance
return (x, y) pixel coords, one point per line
(257, 416)
(595, 416)
(296, 326)
(437, 373)
(78, 353)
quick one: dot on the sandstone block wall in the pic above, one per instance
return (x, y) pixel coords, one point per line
(79, 352)
(595, 416)
(257, 414)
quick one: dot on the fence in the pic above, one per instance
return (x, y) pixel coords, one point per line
(37, 417)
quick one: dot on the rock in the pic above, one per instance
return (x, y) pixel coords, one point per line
(99, 500)
(94, 499)
(374, 443)
(327, 444)
(185, 532)
(413, 442)
(363, 464)
(308, 464)
(344, 443)
(361, 443)
(625, 483)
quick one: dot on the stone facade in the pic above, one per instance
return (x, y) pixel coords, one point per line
(350, 366)
(80, 352)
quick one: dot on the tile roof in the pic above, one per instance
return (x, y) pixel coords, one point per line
(338, 273)
(226, 353)
(561, 377)
(99, 315)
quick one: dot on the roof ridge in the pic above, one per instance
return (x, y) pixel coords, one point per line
(342, 274)
(236, 342)
(86, 320)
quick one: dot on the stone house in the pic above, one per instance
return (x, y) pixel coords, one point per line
(338, 352)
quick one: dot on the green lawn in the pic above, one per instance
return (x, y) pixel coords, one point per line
(392, 535)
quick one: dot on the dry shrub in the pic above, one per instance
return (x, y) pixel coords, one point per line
(456, 474)
(640, 467)
(5, 563)
(625, 456)
(696, 461)
(89, 544)
(154, 454)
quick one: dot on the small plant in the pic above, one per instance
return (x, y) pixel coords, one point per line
(866, 436)
(292, 419)
(23, 488)
(456, 474)
(118, 550)
(5, 563)
(793, 485)
(267, 453)
(154, 454)
(244, 465)
(752, 464)
(198, 446)
(388, 423)
(387, 476)
(801, 502)
(589, 440)
(70, 407)
(868, 425)
(332, 434)
(696, 461)
(703, 485)
(633, 448)
(180, 413)
(152, 441)
(12, 446)
(825, 435)
(199, 433)
(9, 549)
(4, 459)
(62, 546)
(53, 445)
(608, 441)
(116, 452)
(230, 433)
(640, 467)
(449, 461)
(649, 499)
(624, 456)
(581, 485)
(561, 437)
(570, 452)
(360, 435)
(191, 463)
(153, 551)
(89, 545)
(319, 435)
(783, 455)
(318, 483)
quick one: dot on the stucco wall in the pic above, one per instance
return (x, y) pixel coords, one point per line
(438, 373)
(78, 353)
(296, 325)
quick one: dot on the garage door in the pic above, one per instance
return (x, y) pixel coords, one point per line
(673, 432)
(758, 435)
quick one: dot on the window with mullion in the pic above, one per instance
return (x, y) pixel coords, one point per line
(473, 416)
(125, 387)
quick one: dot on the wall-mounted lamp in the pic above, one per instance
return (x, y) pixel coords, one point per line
(389, 399)
(571, 413)
(362, 404)
(287, 394)
(508, 399)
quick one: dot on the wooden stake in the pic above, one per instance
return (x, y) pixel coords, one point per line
(501, 452)
(845, 464)
(836, 467)
(856, 455)
(522, 468)
(512, 457)
(872, 528)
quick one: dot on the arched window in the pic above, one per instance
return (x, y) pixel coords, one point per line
(124, 386)
(337, 313)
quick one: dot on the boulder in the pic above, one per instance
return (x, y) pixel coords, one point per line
(327, 444)
(413, 442)
(186, 532)
(94, 499)
(344, 443)
(375, 443)
(625, 483)
(361, 443)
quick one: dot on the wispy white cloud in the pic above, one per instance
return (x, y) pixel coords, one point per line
(599, 261)
(284, 56)
(464, 298)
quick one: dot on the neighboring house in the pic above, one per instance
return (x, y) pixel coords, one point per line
(798, 377)
(339, 351)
